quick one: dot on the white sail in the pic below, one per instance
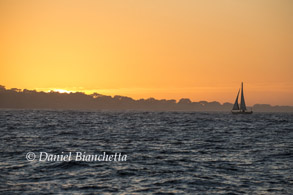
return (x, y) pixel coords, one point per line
(242, 102)
(236, 105)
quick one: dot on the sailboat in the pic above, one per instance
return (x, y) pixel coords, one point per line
(242, 108)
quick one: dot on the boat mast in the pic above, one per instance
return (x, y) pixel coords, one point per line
(242, 101)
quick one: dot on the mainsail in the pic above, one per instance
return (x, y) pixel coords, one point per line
(242, 102)
(236, 105)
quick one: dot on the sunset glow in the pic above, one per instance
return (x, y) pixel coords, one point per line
(172, 49)
(61, 91)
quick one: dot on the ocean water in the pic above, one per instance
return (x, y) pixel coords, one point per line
(167, 152)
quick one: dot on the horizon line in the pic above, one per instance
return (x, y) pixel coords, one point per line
(63, 91)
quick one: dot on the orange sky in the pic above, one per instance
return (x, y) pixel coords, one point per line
(169, 49)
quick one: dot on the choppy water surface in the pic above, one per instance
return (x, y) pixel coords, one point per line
(167, 152)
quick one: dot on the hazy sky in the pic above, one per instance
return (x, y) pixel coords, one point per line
(169, 49)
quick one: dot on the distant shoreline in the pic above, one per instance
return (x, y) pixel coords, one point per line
(133, 111)
(31, 99)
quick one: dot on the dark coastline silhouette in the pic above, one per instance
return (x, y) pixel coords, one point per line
(30, 99)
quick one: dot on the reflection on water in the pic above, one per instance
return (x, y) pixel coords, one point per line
(169, 152)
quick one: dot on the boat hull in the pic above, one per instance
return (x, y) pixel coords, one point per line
(241, 112)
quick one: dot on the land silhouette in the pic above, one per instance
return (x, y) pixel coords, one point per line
(30, 99)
